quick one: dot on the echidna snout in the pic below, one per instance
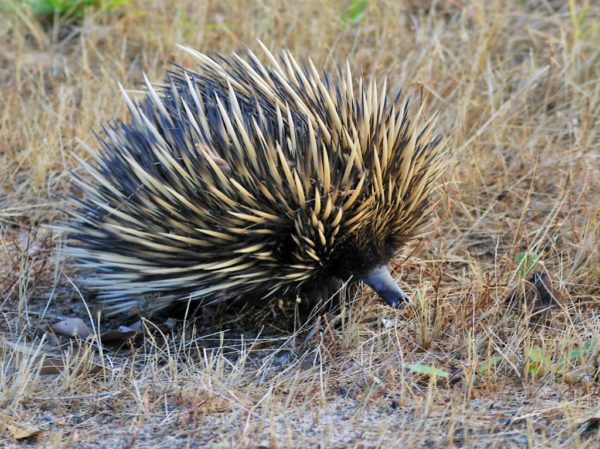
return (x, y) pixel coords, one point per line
(382, 282)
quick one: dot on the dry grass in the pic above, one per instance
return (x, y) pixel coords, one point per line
(517, 85)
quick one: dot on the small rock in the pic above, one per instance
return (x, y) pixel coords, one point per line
(72, 327)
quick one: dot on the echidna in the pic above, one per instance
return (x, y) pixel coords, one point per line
(250, 179)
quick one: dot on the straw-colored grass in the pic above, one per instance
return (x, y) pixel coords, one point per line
(517, 87)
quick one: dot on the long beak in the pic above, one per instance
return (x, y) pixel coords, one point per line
(381, 280)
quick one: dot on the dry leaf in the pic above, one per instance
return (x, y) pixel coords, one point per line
(137, 326)
(17, 429)
(54, 365)
(537, 293)
(219, 161)
(121, 334)
(51, 365)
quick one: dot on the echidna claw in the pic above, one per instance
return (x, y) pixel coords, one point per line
(381, 281)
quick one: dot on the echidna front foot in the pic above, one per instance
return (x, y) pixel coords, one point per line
(381, 281)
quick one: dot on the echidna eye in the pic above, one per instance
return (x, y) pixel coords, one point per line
(285, 248)
(391, 246)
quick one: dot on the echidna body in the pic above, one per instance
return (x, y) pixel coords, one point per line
(244, 179)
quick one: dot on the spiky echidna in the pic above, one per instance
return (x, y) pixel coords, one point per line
(250, 179)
